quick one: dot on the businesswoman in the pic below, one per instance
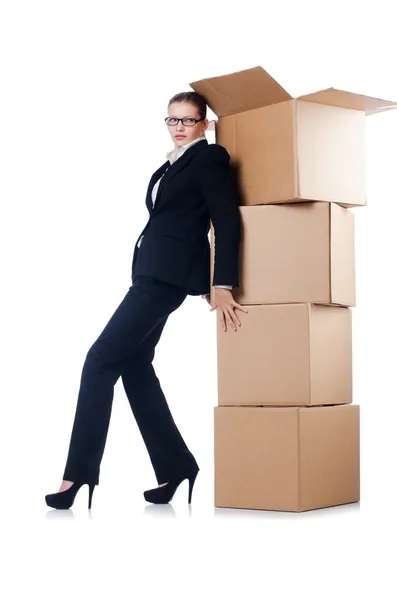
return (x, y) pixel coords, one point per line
(171, 260)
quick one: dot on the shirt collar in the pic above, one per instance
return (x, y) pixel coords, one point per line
(174, 154)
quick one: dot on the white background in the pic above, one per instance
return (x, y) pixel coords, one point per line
(84, 90)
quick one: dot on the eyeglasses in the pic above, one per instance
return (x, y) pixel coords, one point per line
(186, 121)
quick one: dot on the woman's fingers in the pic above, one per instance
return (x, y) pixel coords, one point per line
(226, 318)
(227, 315)
(237, 305)
(235, 318)
(231, 317)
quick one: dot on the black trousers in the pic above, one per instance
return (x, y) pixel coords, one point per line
(126, 348)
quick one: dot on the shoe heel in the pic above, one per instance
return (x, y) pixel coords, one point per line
(191, 484)
(91, 491)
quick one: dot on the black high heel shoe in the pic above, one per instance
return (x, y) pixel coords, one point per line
(65, 499)
(164, 494)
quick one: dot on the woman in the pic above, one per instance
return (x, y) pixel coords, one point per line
(171, 260)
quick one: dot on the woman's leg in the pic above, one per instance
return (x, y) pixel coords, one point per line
(143, 308)
(168, 452)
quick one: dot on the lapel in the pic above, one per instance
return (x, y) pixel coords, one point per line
(169, 171)
(155, 177)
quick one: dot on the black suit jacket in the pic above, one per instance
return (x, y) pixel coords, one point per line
(196, 188)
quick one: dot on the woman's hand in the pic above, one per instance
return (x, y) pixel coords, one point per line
(226, 304)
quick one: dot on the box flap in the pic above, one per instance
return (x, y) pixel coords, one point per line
(335, 97)
(240, 91)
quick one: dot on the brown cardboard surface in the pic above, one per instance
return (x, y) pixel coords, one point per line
(330, 147)
(288, 459)
(240, 91)
(329, 456)
(291, 149)
(262, 145)
(253, 88)
(335, 97)
(295, 253)
(286, 355)
(342, 256)
(330, 349)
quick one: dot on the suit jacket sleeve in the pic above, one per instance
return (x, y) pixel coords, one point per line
(215, 181)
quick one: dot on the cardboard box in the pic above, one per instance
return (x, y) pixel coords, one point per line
(289, 459)
(291, 149)
(286, 355)
(295, 253)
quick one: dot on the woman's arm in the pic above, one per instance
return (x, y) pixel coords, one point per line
(214, 178)
(215, 181)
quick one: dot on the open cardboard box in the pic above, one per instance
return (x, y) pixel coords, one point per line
(289, 149)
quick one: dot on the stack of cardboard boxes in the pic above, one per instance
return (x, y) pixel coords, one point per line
(286, 429)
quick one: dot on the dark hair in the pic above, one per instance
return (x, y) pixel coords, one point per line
(194, 98)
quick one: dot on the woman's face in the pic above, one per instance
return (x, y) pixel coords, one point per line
(182, 134)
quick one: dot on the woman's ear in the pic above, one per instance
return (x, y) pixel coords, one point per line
(211, 125)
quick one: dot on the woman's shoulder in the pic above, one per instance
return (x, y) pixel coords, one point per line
(214, 152)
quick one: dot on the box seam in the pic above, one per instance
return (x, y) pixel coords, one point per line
(299, 459)
(330, 253)
(309, 325)
(296, 153)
